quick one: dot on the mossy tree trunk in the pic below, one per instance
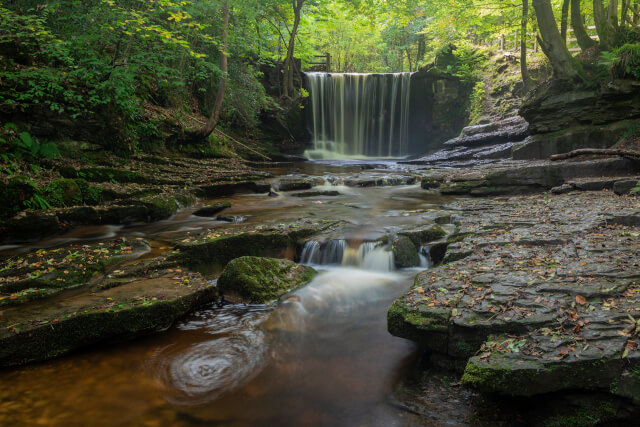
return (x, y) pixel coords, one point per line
(564, 20)
(564, 68)
(606, 31)
(584, 40)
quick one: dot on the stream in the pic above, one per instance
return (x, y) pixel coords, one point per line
(323, 356)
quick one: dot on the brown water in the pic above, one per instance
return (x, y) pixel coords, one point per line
(322, 357)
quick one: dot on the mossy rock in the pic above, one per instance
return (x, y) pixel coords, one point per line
(63, 192)
(212, 209)
(105, 175)
(220, 251)
(260, 280)
(29, 228)
(405, 252)
(14, 194)
(425, 234)
(127, 313)
(427, 328)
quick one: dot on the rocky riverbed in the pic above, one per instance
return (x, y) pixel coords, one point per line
(533, 293)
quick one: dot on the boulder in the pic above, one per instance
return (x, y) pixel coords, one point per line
(261, 280)
(212, 209)
(405, 252)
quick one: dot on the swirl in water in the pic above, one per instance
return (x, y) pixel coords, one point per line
(202, 372)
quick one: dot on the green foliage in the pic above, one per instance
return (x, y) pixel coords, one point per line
(622, 62)
(30, 148)
(478, 99)
(628, 64)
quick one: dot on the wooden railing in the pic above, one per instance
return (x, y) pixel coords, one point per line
(320, 63)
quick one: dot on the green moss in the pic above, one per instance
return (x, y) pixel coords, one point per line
(105, 175)
(83, 329)
(584, 417)
(405, 252)
(63, 192)
(260, 280)
(425, 234)
(429, 328)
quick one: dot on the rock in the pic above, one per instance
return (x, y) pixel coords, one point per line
(14, 194)
(317, 194)
(29, 227)
(213, 209)
(380, 180)
(563, 189)
(219, 251)
(261, 280)
(405, 253)
(64, 192)
(542, 300)
(425, 234)
(554, 108)
(294, 184)
(25, 278)
(429, 183)
(512, 129)
(104, 174)
(541, 146)
(535, 178)
(231, 188)
(139, 307)
(625, 187)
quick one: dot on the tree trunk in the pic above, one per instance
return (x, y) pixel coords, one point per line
(523, 44)
(605, 31)
(421, 48)
(564, 20)
(584, 41)
(204, 132)
(612, 13)
(562, 63)
(289, 66)
(624, 15)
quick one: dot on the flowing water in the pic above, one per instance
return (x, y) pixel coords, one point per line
(322, 356)
(359, 115)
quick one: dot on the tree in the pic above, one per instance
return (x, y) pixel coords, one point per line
(584, 40)
(208, 128)
(562, 63)
(289, 62)
(564, 20)
(523, 44)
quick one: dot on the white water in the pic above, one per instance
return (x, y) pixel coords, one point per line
(359, 115)
(371, 256)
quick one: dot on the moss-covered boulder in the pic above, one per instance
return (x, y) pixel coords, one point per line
(260, 280)
(405, 252)
(63, 192)
(425, 234)
(212, 209)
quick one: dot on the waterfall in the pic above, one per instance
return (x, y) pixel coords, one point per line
(368, 255)
(359, 115)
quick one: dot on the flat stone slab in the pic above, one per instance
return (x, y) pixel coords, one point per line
(541, 294)
(135, 300)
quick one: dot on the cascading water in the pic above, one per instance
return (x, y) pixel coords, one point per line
(359, 115)
(371, 256)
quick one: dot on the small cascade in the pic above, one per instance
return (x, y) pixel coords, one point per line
(368, 255)
(359, 115)
(425, 257)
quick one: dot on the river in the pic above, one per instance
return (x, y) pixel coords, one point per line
(322, 356)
